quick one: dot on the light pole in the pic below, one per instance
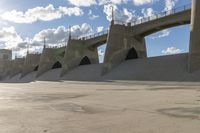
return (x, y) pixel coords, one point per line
(112, 13)
(44, 42)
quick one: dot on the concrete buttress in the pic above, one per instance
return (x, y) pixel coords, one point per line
(122, 45)
(194, 50)
(78, 53)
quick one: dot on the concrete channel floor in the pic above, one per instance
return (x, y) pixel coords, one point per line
(100, 107)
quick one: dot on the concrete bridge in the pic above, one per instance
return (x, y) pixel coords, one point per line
(124, 41)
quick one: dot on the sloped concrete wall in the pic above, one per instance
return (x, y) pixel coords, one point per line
(120, 40)
(16, 66)
(31, 62)
(5, 69)
(48, 58)
(75, 51)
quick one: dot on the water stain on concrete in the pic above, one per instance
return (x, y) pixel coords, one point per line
(169, 88)
(41, 97)
(76, 108)
(117, 89)
(182, 112)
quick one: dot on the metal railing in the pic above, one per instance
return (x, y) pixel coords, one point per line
(90, 36)
(154, 16)
(56, 46)
(35, 53)
(136, 22)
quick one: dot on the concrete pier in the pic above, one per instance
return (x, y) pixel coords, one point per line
(49, 59)
(31, 64)
(194, 51)
(122, 45)
(78, 53)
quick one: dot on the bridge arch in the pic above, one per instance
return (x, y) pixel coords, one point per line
(57, 65)
(132, 54)
(162, 23)
(85, 61)
(36, 68)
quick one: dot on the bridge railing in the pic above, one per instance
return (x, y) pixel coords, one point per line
(161, 14)
(154, 16)
(90, 36)
(56, 46)
(35, 53)
(138, 21)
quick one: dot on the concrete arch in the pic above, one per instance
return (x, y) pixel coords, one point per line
(85, 61)
(118, 57)
(57, 65)
(169, 21)
(36, 68)
(48, 58)
(75, 51)
(132, 54)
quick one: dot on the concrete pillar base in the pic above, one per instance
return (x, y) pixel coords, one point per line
(75, 52)
(120, 41)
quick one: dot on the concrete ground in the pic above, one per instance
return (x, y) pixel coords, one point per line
(100, 107)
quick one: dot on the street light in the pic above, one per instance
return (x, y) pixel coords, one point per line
(112, 9)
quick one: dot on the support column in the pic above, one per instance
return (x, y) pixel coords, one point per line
(17, 66)
(48, 58)
(194, 51)
(120, 42)
(31, 62)
(75, 51)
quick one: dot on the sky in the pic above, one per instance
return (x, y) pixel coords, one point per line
(25, 23)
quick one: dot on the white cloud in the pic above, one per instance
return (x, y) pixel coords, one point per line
(170, 4)
(47, 13)
(83, 2)
(147, 12)
(121, 15)
(103, 2)
(171, 50)
(60, 35)
(142, 2)
(100, 29)
(161, 34)
(9, 38)
(91, 15)
(101, 52)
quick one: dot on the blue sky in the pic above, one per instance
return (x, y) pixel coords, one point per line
(26, 22)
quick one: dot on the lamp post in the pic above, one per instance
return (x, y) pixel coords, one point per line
(44, 42)
(112, 17)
